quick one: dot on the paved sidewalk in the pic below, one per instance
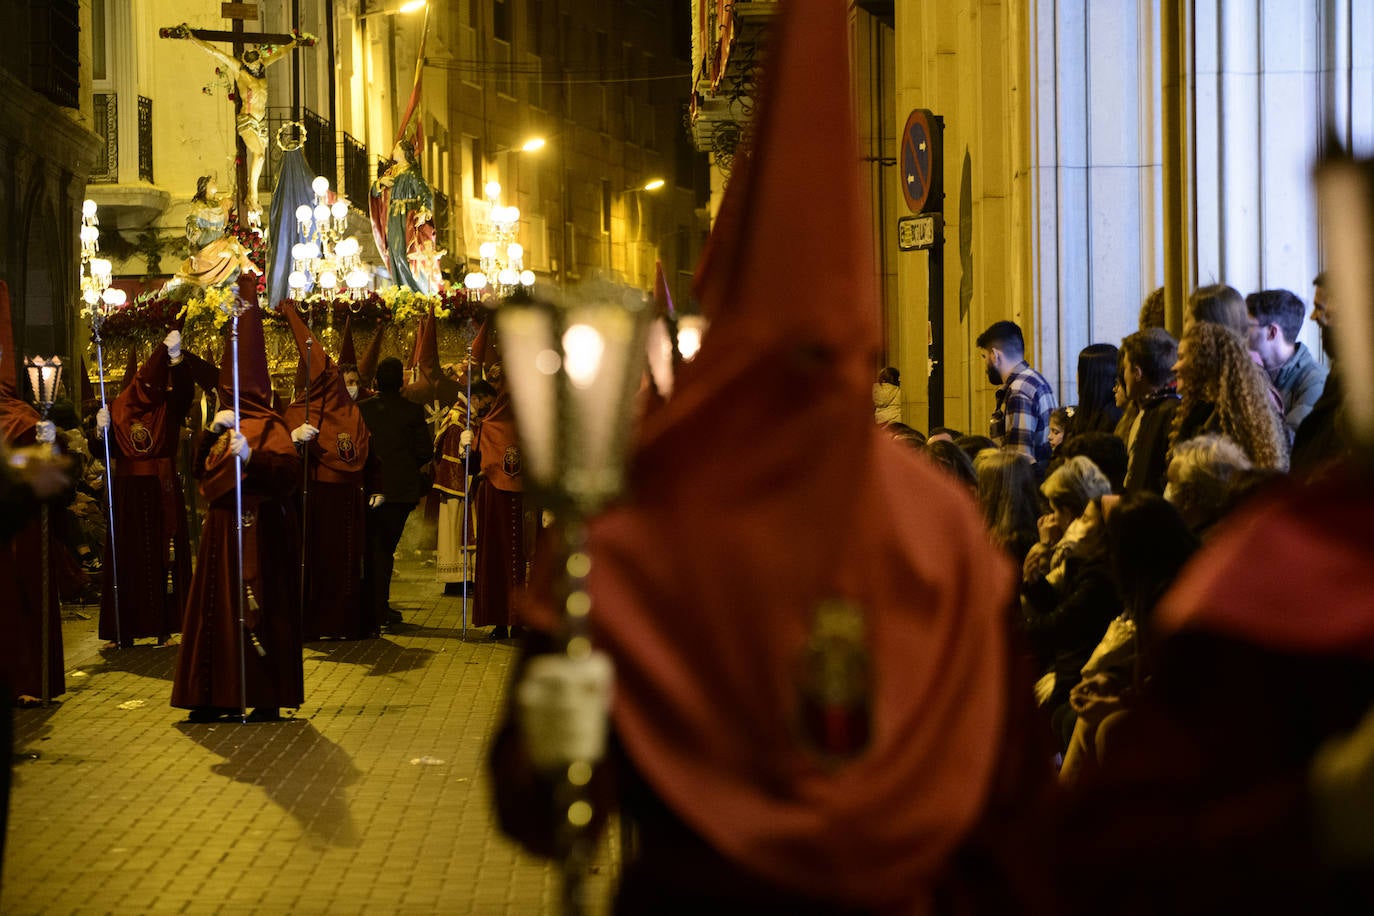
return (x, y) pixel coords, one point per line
(373, 799)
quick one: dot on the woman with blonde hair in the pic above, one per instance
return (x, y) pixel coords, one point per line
(1224, 392)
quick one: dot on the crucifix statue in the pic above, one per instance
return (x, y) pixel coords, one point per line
(247, 67)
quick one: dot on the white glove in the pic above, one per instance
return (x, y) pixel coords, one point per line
(239, 446)
(173, 344)
(304, 433)
(45, 431)
(102, 419)
(465, 440)
(375, 500)
(222, 421)
(563, 706)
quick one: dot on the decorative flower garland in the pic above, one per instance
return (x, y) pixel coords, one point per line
(146, 319)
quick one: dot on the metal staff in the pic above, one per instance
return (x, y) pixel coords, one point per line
(305, 460)
(467, 491)
(240, 597)
(97, 321)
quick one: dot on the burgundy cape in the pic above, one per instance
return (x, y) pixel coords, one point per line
(207, 672)
(337, 462)
(1266, 651)
(504, 535)
(151, 543)
(762, 489)
(430, 383)
(21, 621)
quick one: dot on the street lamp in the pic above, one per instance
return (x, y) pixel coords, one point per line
(501, 259)
(325, 259)
(573, 366)
(44, 377)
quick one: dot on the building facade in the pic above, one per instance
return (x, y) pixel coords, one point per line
(1092, 152)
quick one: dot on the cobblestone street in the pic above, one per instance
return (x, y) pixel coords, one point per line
(372, 799)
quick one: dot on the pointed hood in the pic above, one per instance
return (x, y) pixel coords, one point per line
(17, 416)
(90, 397)
(139, 416)
(343, 443)
(772, 425)
(367, 366)
(347, 355)
(255, 381)
(259, 423)
(430, 382)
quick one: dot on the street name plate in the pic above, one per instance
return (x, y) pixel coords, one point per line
(915, 233)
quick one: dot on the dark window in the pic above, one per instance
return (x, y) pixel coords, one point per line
(53, 49)
(99, 63)
(478, 159)
(500, 20)
(605, 205)
(475, 14)
(603, 54)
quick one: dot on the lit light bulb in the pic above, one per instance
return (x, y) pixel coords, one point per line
(533, 144)
(475, 280)
(91, 296)
(493, 189)
(298, 251)
(310, 251)
(89, 234)
(515, 251)
(653, 184)
(320, 186)
(527, 278)
(508, 277)
(340, 210)
(303, 213)
(321, 213)
(101, 270)
(115, 297)
(356, 279)
(582, 350)
(347, 248)
(88, 209)
(487, 250)
(297, 280)
(512, 214)
(329, 280)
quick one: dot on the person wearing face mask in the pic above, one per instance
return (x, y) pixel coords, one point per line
(343, 476)
(1021, 420)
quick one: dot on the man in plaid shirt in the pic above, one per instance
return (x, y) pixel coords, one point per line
(1025, 400)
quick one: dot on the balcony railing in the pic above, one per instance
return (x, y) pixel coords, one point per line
(321, 152)
(106, 125)
(145, 139)
(355, 178)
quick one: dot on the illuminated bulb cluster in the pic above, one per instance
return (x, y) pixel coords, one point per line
(325, 259)
(96, 273)
(502, 259)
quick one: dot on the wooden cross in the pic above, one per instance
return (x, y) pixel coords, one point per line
(237, 38)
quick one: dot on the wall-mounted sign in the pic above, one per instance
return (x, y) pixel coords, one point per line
(922, 163)
(917, 232)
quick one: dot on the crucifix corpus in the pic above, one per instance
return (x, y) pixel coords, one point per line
(247, 67)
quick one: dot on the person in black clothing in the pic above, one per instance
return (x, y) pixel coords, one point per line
(402, 443)
(1147, 359)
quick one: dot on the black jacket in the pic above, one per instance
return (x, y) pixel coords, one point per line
(1150, 457)
(402, 442)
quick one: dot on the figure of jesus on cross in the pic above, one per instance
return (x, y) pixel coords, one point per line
(249, 73)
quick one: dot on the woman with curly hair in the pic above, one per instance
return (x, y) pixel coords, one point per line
(1224, 392)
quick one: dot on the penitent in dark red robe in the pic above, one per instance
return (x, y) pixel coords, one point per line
(342, 473)
(207, 672)
(152, 549)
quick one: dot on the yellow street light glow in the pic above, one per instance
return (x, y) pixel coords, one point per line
(532, 145)
(413, 6)
(653, 184)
